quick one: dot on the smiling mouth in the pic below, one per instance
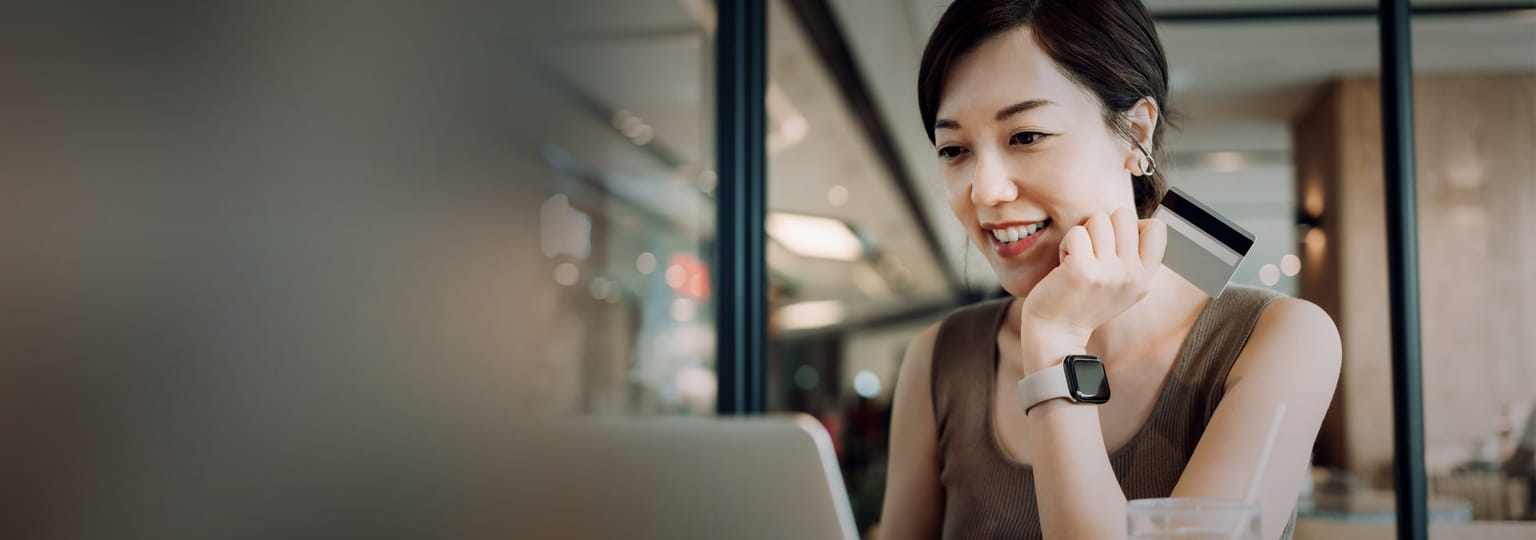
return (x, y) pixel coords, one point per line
(1010, 235)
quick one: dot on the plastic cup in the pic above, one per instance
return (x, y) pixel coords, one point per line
(1192, 519)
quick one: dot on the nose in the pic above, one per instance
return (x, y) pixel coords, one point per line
(992, 185)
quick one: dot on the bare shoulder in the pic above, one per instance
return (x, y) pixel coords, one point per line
(1293, 322)
(1292, 333)
(917, 364)
(914, 494)
(912, 400)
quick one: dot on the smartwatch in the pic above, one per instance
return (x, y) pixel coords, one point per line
(1079, 378)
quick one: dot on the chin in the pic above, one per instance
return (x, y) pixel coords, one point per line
(1019, 281)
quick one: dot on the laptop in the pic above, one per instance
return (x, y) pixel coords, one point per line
(765, 477)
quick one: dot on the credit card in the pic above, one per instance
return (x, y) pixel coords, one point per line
(1203, 246)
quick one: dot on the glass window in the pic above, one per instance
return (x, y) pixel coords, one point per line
(622, 132)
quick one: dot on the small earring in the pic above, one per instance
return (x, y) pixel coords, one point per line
(1146, 163)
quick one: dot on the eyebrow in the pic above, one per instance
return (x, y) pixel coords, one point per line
(1003, 114)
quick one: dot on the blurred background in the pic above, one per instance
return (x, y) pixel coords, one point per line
(246, 243)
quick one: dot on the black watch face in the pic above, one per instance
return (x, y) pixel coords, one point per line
(1086, 379)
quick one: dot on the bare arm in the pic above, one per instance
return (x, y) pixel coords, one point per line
(913, 496)
(1293, 356)
(1106, 266)
(1076, 489)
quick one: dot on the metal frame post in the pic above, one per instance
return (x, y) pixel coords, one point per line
(1402, 268)
(741, 267)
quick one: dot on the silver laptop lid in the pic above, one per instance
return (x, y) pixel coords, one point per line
(770, 477)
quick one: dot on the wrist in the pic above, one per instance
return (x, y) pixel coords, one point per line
(1050, 331)
(1041, 356)
(1045, 344)
(1048, 407)
(1079, 379)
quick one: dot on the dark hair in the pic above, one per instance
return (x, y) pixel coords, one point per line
(1109, 47)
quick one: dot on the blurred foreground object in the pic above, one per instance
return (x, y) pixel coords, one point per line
(662, 478)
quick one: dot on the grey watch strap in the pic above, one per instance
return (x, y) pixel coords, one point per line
(1044, 385)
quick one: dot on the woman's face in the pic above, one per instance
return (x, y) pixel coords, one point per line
(1025, 152)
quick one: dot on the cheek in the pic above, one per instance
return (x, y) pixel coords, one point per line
(1089, 176)
(1061, 178)
(956, 179)
(958, 193)
(964, 211)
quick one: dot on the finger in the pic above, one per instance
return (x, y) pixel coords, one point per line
(1076, 243)
(1154, 241)
(1127, 231)
(1103, 235)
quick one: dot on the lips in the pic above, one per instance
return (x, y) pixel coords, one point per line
(1012, 234)
(1012, 241)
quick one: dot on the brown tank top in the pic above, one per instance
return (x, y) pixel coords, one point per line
(987, 495)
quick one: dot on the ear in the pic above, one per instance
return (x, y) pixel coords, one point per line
(1143, 117)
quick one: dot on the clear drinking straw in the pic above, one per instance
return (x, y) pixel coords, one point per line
(1258, 471)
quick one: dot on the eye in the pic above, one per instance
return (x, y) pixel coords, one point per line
(1027, 137)
(950, 152)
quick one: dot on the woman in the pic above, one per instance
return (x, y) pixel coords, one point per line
(1045, 116)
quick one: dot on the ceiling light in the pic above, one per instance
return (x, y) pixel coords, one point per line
(645, 263)
(696, 383)
(683, 310)
(866, 384)
(837, 196)
(812, 236)
(677, 276)
(564, 230)
(642, 135)
(1269, 275)
(1290, 264)
(566, 274)
(1226, 161)
(1316, 240)
(803, 315)
(630, 124)
(621, 118)
(1313, 200)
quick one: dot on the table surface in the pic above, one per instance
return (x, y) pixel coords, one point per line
(1325, 529)
(1379, 506)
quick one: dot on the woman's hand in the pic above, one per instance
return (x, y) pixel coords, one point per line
(1107, 265)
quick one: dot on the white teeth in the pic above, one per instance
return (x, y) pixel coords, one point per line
(1013, 234)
